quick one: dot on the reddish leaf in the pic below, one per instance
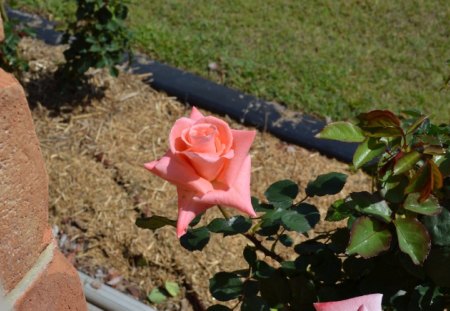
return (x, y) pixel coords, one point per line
(427, 179)
(438, 180)
(380, 123)
(379, 118)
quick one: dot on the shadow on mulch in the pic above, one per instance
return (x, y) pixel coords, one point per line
(48, 91)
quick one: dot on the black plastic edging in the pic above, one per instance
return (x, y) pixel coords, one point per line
(194, 90)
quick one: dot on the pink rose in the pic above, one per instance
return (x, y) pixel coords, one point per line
(209, 164)
(362, 303)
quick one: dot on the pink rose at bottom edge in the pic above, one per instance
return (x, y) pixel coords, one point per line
(370, 302)
(209, 164)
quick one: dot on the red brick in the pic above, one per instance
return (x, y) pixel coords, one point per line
(58, 288)
(23, 186)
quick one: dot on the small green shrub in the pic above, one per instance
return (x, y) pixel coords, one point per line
(98, 38)
(10, 60)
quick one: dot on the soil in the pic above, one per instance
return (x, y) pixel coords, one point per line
(95, 142)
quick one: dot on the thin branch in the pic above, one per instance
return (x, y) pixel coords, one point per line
(254, 240)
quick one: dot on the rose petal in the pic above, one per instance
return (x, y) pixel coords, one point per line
(178, 171)
(367, 303)
(187, 210)
(224, 135)
(237, 196)
(196, 114)
(175, 142)
(207, 166)
(202, 138)
(242, 140)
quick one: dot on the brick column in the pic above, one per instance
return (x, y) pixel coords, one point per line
(35, 276)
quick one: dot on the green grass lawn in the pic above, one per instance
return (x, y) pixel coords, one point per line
(329, 58)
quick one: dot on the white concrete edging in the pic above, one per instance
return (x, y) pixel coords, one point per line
(108, 298)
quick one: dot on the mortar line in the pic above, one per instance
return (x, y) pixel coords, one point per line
(32, 275)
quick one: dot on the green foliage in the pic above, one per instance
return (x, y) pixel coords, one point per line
(195, 239)
(98, 38)
(368, 238)
(326, 184)
(10, 59)
(161, 294)
(232, 226)
(154, 222)
(156, 296)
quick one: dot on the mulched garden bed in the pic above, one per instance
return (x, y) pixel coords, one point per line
(95, 143)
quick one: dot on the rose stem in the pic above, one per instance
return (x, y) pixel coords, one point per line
(254, 240)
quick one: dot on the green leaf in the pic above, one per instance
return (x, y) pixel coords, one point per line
(339, 240)
(263, 270)
(357, 268)
(282, 193)
(225, 286)
(261, 207)
(250, 255)
(339, 211)
(172, 288)
(196, 220)
(368, 237)
(428, 207)
(443, 162)
(437, 266)
(369, 149)
(254, 303)
(406, 162)
(326, 184)
(288, 268)
(309, 247)
(439, 227)
(393, 188)
(302, 219)
(370, 204)
(303, 293)
(342, 131)
(156, 296)
(325, 266)
(155, 222)
(231, 226)
(426, 298)
(195, 239)
(272, 217)
(294, 221)
(275, 290)
(286, 240)
(251, 288)
(413, 239)
(414, 126)
(219, 308)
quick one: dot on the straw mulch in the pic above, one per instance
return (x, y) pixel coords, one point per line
(94, 154)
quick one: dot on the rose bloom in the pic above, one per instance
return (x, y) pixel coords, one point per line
(209, 164)
(362, 303)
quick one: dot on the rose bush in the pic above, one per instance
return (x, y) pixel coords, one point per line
(396, 241)
(210, 165)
